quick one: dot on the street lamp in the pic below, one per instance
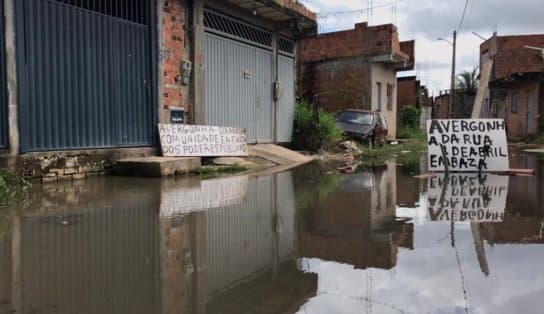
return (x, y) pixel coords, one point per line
(452, 92)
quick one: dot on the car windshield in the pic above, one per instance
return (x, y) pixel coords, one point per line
(356, 117)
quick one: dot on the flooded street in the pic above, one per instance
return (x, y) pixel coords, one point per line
(308, 240)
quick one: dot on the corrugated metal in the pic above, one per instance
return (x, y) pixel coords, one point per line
(263, 77)
(241, 238)
(99, 261)
(3, 87)
(84, 79)
(239, 87)
(286, 105)
(285, 208)
(5, 274)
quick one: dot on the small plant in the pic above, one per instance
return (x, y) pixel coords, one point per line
(409, 117)
(314, 133)
(12, 188)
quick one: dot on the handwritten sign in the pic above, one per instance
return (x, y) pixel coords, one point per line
(209, 194)
(467, 197)
(469, 145)
(182, 140)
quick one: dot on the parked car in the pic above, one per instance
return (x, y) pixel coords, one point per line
(363, 125)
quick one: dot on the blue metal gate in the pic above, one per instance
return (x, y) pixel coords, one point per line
(85, 74)
(3, 87)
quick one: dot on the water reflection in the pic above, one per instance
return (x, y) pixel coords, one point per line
(309, 241)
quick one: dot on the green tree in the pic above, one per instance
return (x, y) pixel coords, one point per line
(468, 81)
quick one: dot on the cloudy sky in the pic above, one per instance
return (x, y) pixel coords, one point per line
(427, 20)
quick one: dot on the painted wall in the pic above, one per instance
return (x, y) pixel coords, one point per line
(385, 75)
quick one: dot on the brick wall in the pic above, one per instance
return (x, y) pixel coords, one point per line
(512, 57)
(441, 106)
(517, 121)
(384, 39)
(340, 83)
(174, 48)
(406, 92)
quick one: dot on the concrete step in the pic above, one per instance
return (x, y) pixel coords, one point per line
(278, 154)
(156, 166)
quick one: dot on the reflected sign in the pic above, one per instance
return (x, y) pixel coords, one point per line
(467, 197)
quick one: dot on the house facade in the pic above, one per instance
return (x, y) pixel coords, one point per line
(516, 87)
(86, 82)
(355, 69)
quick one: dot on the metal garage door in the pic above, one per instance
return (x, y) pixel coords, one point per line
(239, 76)
(3, 87)
(85, 74)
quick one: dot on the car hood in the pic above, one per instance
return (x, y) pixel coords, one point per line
(354, 128)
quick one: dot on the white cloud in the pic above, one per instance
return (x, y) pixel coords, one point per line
(426, 20)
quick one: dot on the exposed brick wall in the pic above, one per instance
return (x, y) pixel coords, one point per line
(407, 92)
(336, 65)
(174, 49)
(344, 44)
(441, 107)
(512, 57)
(384, 39)
(340, 83)
(409, 48)
(517, 121)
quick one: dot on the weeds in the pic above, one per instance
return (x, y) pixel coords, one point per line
(309, 135)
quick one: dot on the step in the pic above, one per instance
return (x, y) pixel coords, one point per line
(156, 166)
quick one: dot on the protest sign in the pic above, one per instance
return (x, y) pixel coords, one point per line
(468, 145)
(183, 140)
(467, 197)
(208, 194)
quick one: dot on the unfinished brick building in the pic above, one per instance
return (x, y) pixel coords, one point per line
(355, 69)
(516, 83)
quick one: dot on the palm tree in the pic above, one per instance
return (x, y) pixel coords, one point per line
(468, 81)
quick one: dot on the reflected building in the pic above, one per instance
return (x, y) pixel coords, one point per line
(115, 245)
(356, 225)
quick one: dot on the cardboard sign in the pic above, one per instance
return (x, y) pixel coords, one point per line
(469, 145)
(209, 194)
(182, 140)
(467, 197)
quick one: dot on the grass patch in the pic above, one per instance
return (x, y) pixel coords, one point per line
(205, 170)
(312, 136)
(406, 152)
(12, 192)
(535, 139)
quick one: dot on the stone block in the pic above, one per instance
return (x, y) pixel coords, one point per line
(49, 177)
(79, 176)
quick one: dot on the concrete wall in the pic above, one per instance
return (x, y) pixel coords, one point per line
(385, 75)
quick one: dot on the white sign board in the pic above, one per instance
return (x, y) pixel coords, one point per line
(183, 140)
(470, 145)
(467, 197)
(214, 193)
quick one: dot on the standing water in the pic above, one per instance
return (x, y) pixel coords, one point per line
(305, 241)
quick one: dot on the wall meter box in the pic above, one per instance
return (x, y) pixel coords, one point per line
(186, 69)
(177, 115)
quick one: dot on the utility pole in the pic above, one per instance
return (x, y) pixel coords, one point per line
(452, 91)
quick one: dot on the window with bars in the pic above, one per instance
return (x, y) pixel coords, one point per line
(286, 45)
(136, 11)
(227, 25)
